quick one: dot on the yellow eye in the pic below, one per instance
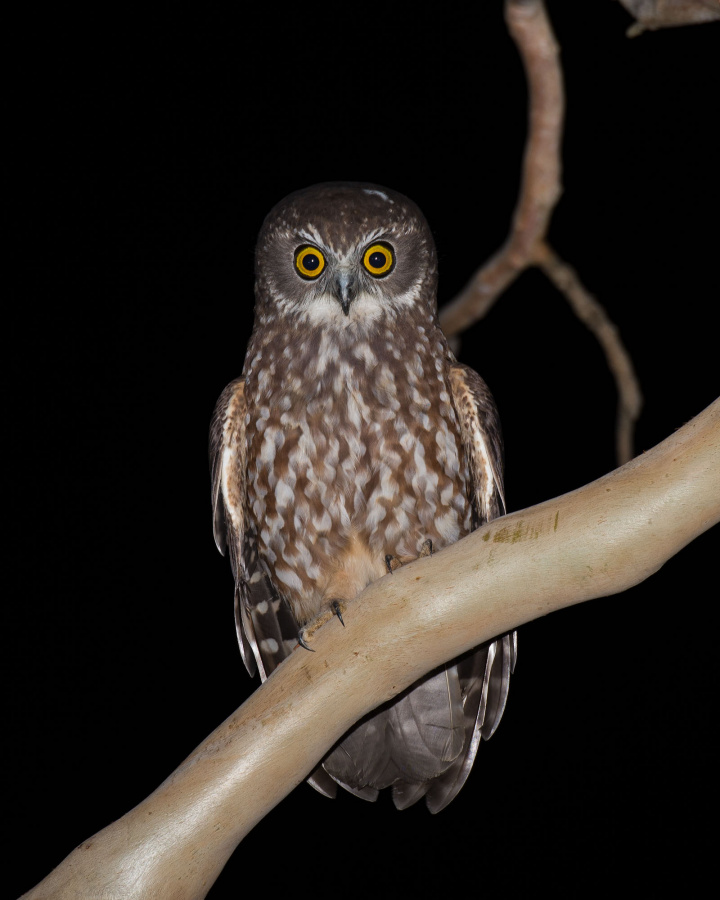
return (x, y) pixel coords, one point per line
(309, 261)
(379, 259)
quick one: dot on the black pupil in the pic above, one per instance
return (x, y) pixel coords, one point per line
(377, 259)
(311, 261)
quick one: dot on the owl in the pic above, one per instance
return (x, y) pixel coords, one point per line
(353, 443)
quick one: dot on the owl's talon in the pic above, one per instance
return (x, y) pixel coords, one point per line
(394, 562)
(337, 609)
(426, 549)
(303, 642)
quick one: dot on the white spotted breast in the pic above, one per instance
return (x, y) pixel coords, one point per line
(352, 448)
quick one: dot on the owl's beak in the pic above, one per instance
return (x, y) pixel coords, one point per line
(345, 289)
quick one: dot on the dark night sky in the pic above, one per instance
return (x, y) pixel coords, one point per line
(151, 146)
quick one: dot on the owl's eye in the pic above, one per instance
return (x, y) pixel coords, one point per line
(379, 259)
(309, 261)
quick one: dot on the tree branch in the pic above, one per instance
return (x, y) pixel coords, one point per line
(596, 541)
(593, 315)
(540, 191)
(541, 188)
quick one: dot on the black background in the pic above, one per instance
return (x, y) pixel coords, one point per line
(151, 145)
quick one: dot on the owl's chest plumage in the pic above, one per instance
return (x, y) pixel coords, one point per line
(354, 453)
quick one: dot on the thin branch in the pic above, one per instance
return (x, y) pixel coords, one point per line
(596, 541)
(541, 188)
(593, 314)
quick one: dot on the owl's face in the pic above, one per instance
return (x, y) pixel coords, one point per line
(347, 255)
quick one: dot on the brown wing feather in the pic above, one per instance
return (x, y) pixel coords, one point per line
(228, 456)
(228, 459)
(482, 440)
(265, 626)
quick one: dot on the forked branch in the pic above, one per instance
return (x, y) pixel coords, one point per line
(541, 187)
(540, 191)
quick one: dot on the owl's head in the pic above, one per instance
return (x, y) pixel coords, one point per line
(347, 254)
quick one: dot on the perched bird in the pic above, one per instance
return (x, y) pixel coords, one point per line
(352, 443)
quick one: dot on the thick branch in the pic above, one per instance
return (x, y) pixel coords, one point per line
(596, 541)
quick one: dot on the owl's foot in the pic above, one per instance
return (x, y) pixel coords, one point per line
(336, 608)
(394, 562)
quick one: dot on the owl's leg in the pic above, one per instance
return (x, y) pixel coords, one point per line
(336, 608)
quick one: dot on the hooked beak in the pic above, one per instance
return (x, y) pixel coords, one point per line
(345, 289)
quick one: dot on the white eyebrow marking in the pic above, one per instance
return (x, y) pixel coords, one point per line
(378, 193)
(310, 235)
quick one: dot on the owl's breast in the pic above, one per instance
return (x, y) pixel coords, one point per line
(353, 459)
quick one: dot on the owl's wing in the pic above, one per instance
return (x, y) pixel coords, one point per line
(228, 472)
(485, 673)
(265, 627)
(482, 441)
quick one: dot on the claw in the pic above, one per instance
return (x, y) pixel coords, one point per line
(335, 606)
(303, 643)
(426, 549)
(392, 563)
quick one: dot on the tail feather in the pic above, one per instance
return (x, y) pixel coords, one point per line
(362, 758)
(498, 685)
(487, 680)
(404, 793)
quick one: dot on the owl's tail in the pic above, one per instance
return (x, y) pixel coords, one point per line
(423, 743)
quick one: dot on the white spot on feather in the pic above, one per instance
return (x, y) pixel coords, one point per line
(289, 578)
(284, 494)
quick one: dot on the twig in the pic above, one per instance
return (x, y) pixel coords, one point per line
(593, 314)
